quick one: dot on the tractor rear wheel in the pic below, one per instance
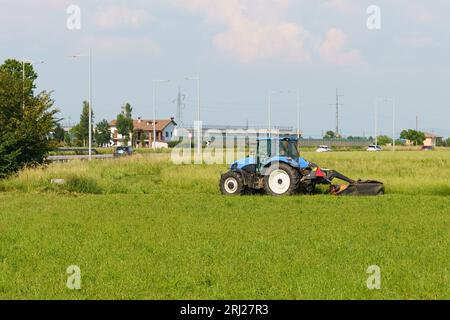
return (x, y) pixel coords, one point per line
(281, 179)
(232, 184)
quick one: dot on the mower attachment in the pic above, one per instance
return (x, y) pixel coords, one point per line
(359, 188)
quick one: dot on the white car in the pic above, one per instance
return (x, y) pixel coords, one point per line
(374, 148)
(323, 149)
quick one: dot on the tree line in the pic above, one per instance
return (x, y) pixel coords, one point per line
(78, 135)
(415, 137)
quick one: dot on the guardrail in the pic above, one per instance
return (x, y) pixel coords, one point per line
(77, 151)
(335, 142)
(79, 157)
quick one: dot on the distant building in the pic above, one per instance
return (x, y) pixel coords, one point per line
(431, 140)
(245, 130)
(143, 133)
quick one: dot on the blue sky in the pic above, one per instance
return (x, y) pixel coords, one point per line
(242, 49)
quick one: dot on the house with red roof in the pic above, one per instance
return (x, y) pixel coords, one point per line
(142, 136)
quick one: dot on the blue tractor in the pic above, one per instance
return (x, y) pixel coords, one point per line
(278, 169)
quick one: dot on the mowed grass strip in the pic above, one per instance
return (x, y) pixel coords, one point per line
(210, 247)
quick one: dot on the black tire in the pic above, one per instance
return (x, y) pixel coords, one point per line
(280, 187)
(232, 184)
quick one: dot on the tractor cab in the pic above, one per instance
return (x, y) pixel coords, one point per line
(283, 149)
(272, 147)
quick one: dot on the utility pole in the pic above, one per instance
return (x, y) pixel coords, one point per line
(337, 105)
(417, 123)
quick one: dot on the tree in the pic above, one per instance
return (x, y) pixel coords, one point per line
(125, 122)
(68, 140)
(26, 121)
(102, 133)
(416, 137)
(16, 70)
(76, 136)
(80, 132)
(384, 140)
(59, 133)
(330, 135)
(83, 129)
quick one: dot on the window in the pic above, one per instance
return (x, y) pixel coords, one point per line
(167, 134)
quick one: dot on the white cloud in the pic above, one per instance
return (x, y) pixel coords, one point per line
(332, 49)
(255, 29)
(115, 17)
(250, 41)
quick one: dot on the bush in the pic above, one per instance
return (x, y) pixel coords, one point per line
(78, 184)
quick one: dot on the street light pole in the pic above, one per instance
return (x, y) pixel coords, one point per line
(90, 104)
(155, 84)
(270, 114)
(376, 123)
(272, 92)
(298, 112)
(393, 104)
(89, 56)
(199, 133)
(23, 84)
(393, 123)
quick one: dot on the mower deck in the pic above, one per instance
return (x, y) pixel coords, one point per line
(359, 188)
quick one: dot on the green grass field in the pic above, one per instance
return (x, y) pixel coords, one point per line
(143, 228)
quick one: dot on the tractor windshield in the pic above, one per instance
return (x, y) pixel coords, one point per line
(276, 147)
(289, 149)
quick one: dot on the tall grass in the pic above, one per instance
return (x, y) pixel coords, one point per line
(402, 172)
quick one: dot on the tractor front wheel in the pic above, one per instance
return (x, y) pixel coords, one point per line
(232, 184)
(281, 179)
